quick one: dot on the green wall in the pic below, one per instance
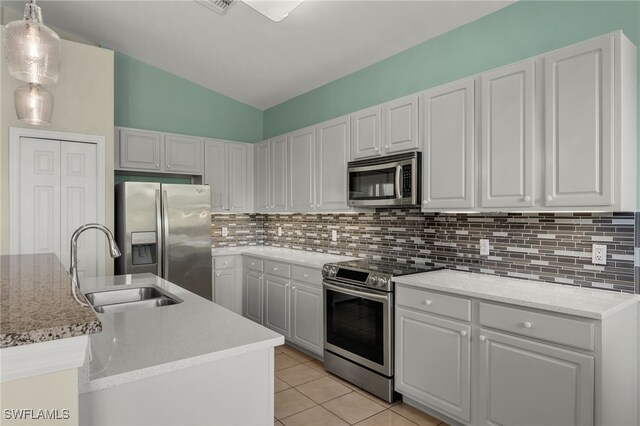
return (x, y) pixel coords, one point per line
(519, 31)
(149, 98)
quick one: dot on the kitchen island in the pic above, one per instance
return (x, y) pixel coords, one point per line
(194, 362)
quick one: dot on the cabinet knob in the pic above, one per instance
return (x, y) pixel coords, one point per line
(427, 302)
(253, 264)
(549, 198)
(463, 333)
(527, 198)
(226, 263)
(528, 324)
(424, 202)
(306, 275)
(275, 269)
(287, 285)
(217, 275)
(311, 205)
(157, 166)
(386, 147)
(375, 149)
(482, 338)
(168, 166)
(293, 287)
(317, 205)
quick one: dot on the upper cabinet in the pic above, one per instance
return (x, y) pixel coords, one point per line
(229, 171)
(331, 158)
(147, 151)
(271, 175)
(301, 170)
(262, 175)
(366, 132)
(447, 121)
(400, 124)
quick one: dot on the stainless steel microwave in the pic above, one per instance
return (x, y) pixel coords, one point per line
(392, 180)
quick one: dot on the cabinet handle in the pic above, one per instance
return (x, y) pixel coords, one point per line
(549, 198)
(482, 338)
(528, 324)
(463, 333)
(427, 302)
(527, 198)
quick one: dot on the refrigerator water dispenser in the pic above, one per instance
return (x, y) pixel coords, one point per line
(143, 248)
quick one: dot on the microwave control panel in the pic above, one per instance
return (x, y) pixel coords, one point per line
(406, 181)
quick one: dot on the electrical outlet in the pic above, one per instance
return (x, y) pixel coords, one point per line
(599, 254)
(279, 231)
(334, 235)
(225, 231)
(484, 247)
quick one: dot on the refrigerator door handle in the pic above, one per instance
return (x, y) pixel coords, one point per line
(165, 255)
(159, 236)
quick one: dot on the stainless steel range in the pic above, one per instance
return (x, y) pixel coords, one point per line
(358, 321)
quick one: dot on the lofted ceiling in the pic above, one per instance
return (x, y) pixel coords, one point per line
(250, 58)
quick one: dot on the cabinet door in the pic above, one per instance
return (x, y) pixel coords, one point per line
(508, 120)
(276, 304)
(263, 178)
(224, 282)
(529, 383)
(401, 125)
(183, 154)
(332, 156)
(448, 146)
(252, 295)
(239, 177)
(306, 317)
(278, 173)
(433, 362)
(139, 150)
(301, 145)
(215, 173)
(578, 124)
(366, 131)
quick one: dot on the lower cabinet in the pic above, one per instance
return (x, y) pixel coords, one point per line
(433, 361)
(252, 297)
(276, 304)
(306, 317)
(227, 286)
(530, 383)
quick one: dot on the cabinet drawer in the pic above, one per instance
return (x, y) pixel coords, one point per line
(254, 264)
(311, 276)
(276, 268)
(435, 303)
(224, 262)
(538, 325)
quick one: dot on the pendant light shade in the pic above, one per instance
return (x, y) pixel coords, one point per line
(34, 105)
(33, 50)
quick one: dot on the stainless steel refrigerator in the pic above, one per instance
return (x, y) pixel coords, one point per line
(165, 229)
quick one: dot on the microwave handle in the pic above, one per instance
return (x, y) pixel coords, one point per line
(398, 182)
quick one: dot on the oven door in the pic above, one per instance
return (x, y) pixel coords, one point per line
(358, 325)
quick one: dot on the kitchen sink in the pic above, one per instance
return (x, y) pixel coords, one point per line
(118, 300)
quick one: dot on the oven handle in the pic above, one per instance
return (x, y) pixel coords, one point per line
(356, 292)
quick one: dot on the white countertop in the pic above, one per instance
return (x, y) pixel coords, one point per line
(300, 257)
(145, 342)
(584, 302)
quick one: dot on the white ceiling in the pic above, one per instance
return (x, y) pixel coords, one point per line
(247, 57)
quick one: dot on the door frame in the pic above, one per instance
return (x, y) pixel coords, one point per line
(15, 133)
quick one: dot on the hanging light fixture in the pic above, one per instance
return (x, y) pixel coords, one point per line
(33, 50)
(34, 105)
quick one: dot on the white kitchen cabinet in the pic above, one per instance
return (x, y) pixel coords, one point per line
(278, 173)
(306, 305)
(433, 361)
(366, 133)
(301, 170)
(183, 154)
(252, 296)
(227, 282)
(588, 100)
(400, 125)
(331, 158)
(507, 138)
(518, 377)
(448, 133)
(139, 150)
(276, 304)
(229, 171)
(262, 173)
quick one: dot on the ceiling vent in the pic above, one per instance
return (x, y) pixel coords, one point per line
(219, 6)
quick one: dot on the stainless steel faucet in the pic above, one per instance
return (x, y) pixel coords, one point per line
(73, 268)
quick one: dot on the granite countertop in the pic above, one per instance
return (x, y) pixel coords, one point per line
(145, 342)
(299, 257)
(36, 304)
(579, 301)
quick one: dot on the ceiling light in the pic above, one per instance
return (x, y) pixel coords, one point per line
(33, 50)
(34, 105)
(276, 10)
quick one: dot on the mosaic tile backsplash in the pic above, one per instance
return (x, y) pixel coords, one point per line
(552, 247)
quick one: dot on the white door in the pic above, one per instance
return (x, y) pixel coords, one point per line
(215, 173)
(278, 172)
(183, 154)
(56, 191)
(306, 317)
(448, 146)
(523, 382)
(401, 124)
(301, 145)
(578, 124)
(263, 176)
(433, 361)
(332, 156)
(366, 128)
(276, 304)
(139, 150)
(507, 138)
(239, 177)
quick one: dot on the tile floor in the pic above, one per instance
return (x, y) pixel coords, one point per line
(306, 394)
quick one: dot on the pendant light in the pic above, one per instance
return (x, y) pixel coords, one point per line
(34, 105)
(33, 50)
